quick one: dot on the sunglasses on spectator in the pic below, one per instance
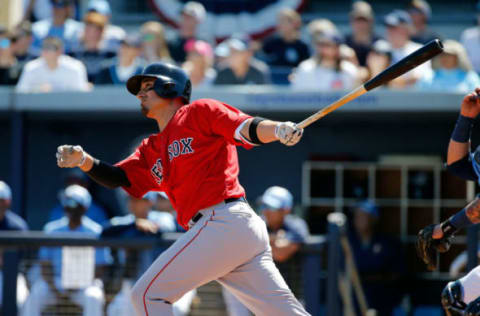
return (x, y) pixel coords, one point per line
(4, 43)
(51, 48)
(148, 37)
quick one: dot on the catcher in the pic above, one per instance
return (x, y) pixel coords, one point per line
(460, 297)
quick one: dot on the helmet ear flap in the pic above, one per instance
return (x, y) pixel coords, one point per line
(165, 89)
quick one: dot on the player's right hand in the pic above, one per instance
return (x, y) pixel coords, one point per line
(288, 133)
(471, 104)
(69, 156)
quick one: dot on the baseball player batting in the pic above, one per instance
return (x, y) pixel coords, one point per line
(193, 159)
(461, 297)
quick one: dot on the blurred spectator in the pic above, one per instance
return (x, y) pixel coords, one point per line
(379, 260)
(318, 27)
(60, 25)
(89, 49)
(325, 70)
(48, 289)
(163, 205)
(199, 63)
(241, 67)
(470, 39)
(35, 10)
(287, 235)
(154, 47)
(399, 27)
(378, 59)
(141, 222)
(127, 63)
(7, 58)
(112, 34)
(53, 71)
(22, 38)
(193, 13)
(14, 53)
(452, 71)
(94, 212)
(421, 13)
(362, 36)
(286, 49)
(10, 221)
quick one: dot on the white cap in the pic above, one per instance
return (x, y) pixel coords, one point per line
(151, 196)
(5, 192)
(277, 198)
(75, 195)
(195, 9)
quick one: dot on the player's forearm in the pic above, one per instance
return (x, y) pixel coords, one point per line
(469, 215)
(473, 211)
(457, 151)
(261, 131)
(459, 145)
(265, 130)
(103, 173)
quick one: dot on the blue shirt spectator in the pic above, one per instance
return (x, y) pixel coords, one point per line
(60, 25)
(142, 222)
(49, 289)
(95, 212)
(127, 63)
(54, 254)
(8, 219)
(379, 260)
(11, 221)
(452, 71)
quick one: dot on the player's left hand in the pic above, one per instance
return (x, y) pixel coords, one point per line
(288, 133)
(69, 156)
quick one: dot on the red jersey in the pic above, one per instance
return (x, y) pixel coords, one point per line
(193, 160)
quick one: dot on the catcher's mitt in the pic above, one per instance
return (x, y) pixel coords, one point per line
(427, 247)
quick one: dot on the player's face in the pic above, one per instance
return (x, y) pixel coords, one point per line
(151, 103)
(362, 222)
(274, 218)
(74, 213)
(4, 205)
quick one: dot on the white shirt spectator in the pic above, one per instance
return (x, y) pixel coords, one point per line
(312, 76)
(70, 75)
(470, 39)
(410, 47)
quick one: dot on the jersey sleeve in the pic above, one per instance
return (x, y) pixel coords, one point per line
(217, 118)
(138, 172)
(298, 232)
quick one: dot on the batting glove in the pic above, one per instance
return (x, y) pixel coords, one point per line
(288, 133)
(69, 156)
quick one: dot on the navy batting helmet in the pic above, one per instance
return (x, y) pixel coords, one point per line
(170, 81)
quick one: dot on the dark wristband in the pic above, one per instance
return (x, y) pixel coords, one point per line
(463, 129)
(252, 130)
(107, 175)
(460, 220)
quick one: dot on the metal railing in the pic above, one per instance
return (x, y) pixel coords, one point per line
(17, 255)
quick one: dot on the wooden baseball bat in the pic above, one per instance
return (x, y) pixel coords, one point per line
(418, 57)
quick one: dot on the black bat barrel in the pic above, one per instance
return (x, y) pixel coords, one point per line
(421, 55)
